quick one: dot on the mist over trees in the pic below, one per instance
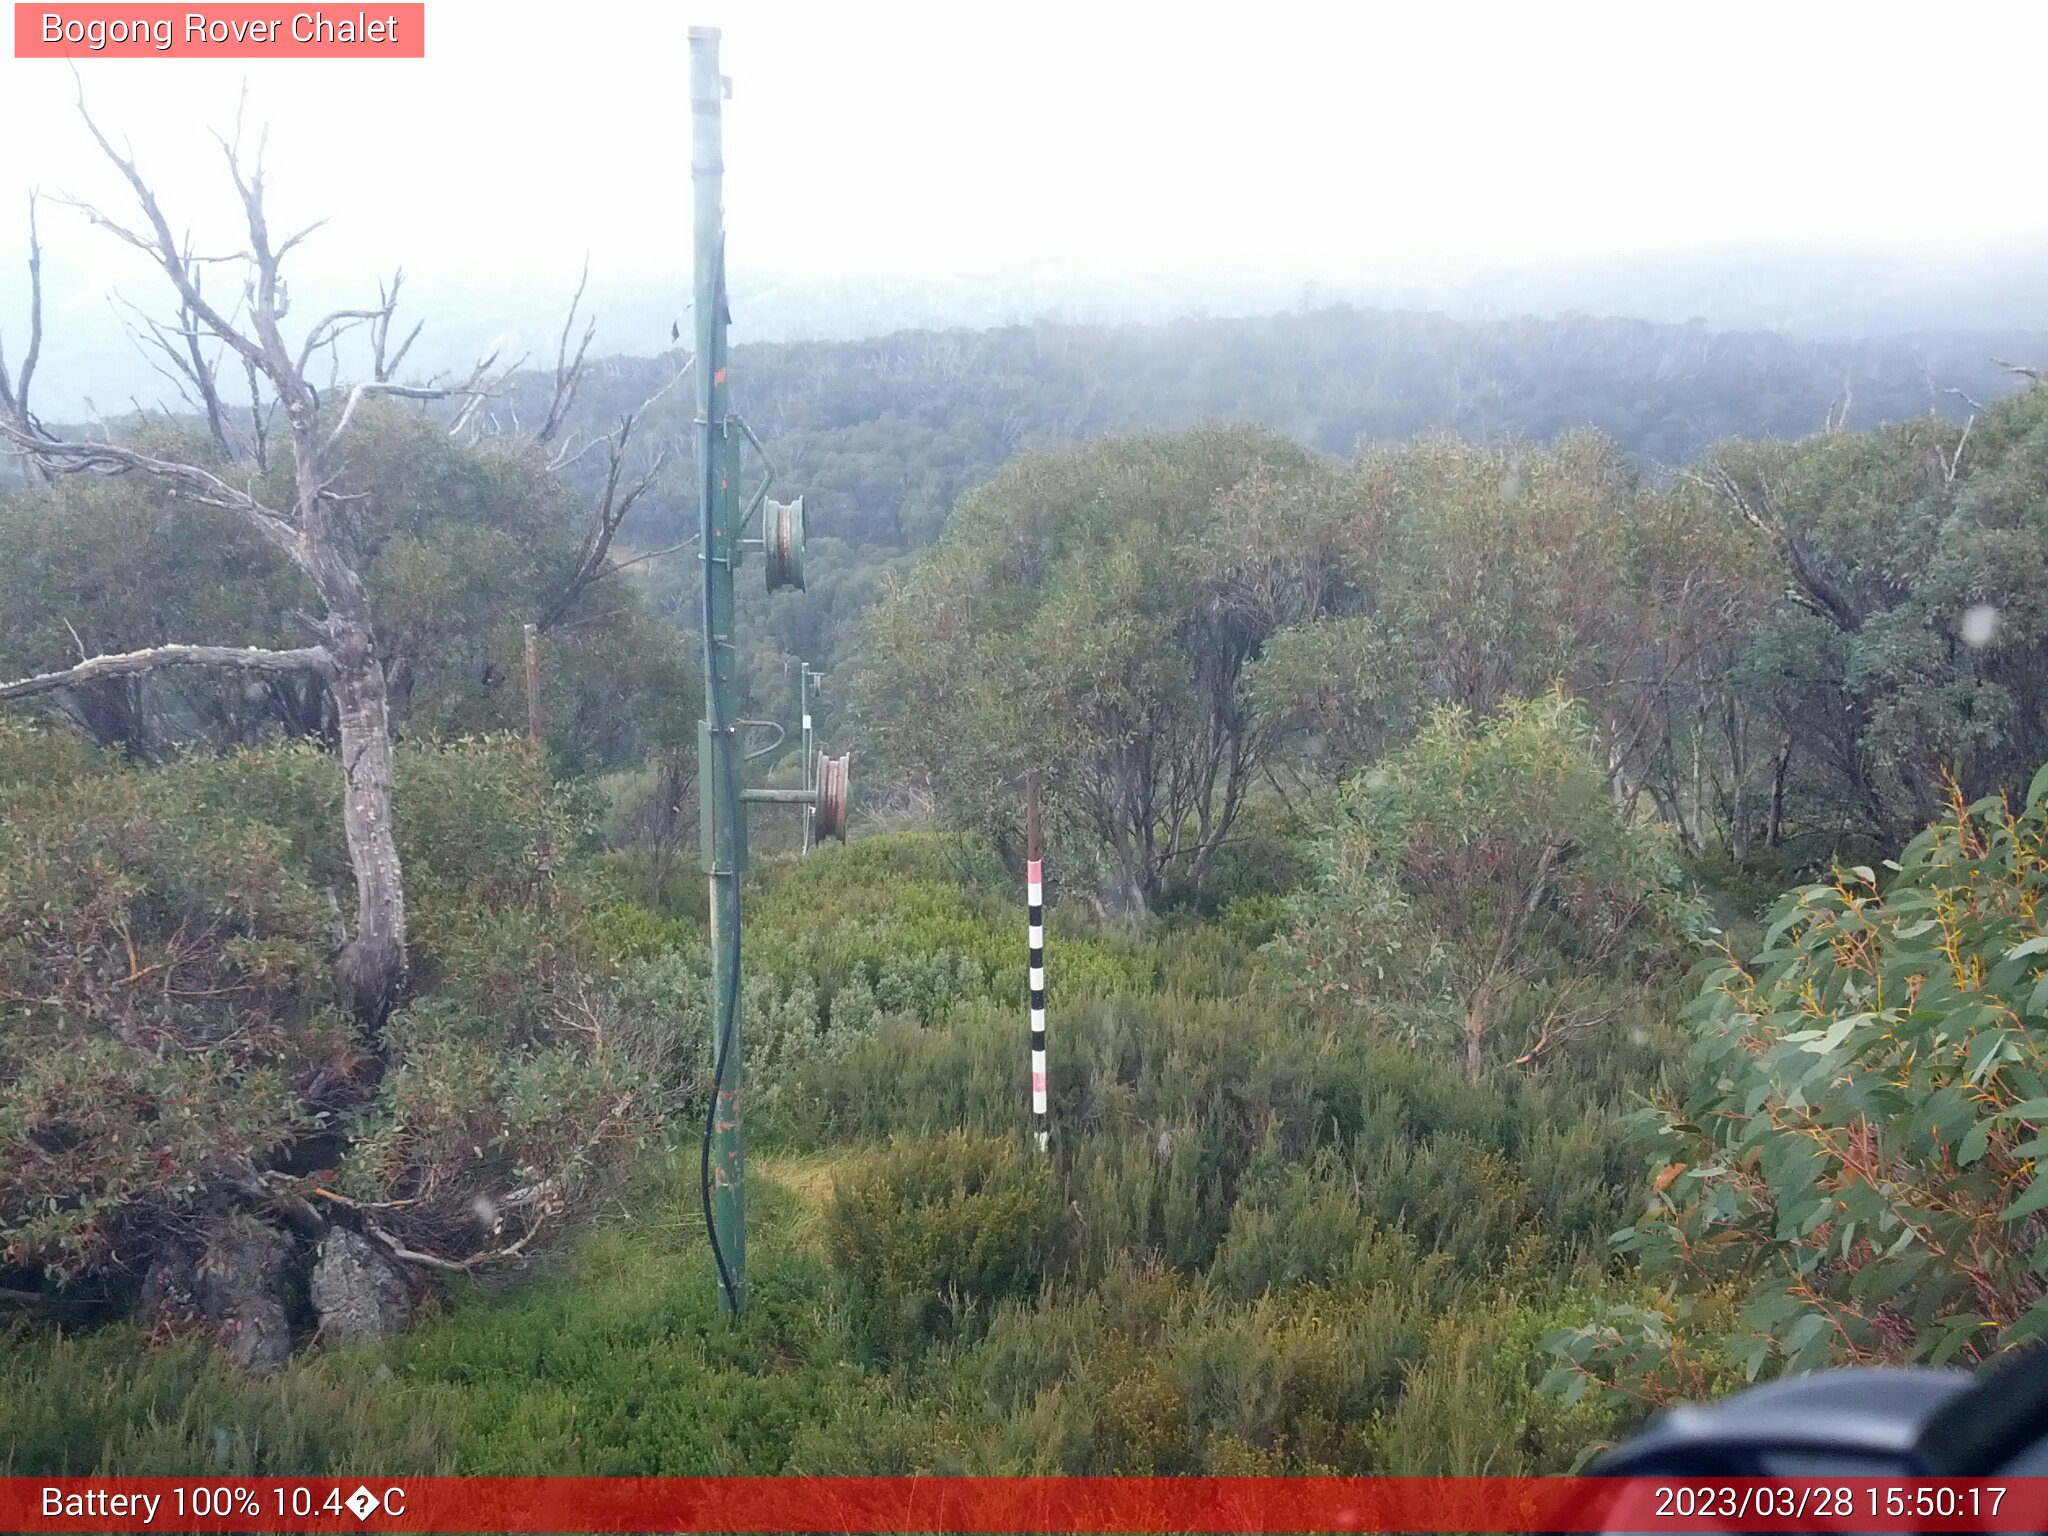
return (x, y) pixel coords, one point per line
(885, 432)
(883, 436)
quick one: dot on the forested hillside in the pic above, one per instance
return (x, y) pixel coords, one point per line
(887, 432)
(882, 436)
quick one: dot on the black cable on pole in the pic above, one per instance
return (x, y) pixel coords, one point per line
(727, 1015)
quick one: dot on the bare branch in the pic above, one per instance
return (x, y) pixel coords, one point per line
(1954, 461)
(194, 377)
(652, 554)
(382, 363)
(206, 376)
(312, 228)
(592, 618)
(1838, 411)
(611, 510)
(399, 1251)
(35, 310)
(568, 372)
(476, 393)
(148, 338)
(386, 369)
(259, 415)
(14, 393)
(357, 395)
(312, 658)
(1559, 1026)
(571, 452)
(273, 1191)
(1815, 588)
(331, 328)
(162, 247)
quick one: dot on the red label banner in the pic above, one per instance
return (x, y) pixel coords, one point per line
(225, 31)
(1022, 1504)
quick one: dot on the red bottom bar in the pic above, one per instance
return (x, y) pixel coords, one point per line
(1021, 1504)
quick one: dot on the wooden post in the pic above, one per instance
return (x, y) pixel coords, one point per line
(543, 852)
(532, 683)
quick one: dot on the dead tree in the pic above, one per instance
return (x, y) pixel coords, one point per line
(607, 515)
(14, 388)
(313, 529)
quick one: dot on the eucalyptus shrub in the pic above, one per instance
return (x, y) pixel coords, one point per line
(1857, 1168)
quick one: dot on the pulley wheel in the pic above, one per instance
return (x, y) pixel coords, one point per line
(784, 537)
(828, 816)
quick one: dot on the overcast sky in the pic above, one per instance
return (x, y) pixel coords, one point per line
(908, 138)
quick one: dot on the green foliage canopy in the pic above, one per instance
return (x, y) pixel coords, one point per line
(1092, 614)
(460, 545)
(1480, 869)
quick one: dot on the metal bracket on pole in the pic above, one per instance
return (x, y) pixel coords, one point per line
(807, 679)
(776, 726)
(760, 496)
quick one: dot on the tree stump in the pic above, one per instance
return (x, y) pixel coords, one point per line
(231, 1283)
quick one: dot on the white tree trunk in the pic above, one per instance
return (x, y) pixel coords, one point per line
(371, 967)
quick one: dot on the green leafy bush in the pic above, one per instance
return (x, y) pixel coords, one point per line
(1480, 869)
(165, 995)
(172, 1051)
(1309, 1226)
(918, 922)
(1860, 1156)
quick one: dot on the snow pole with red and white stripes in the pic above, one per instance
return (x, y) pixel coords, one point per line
(1034, 897)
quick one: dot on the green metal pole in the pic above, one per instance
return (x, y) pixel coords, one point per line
(724, 845)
